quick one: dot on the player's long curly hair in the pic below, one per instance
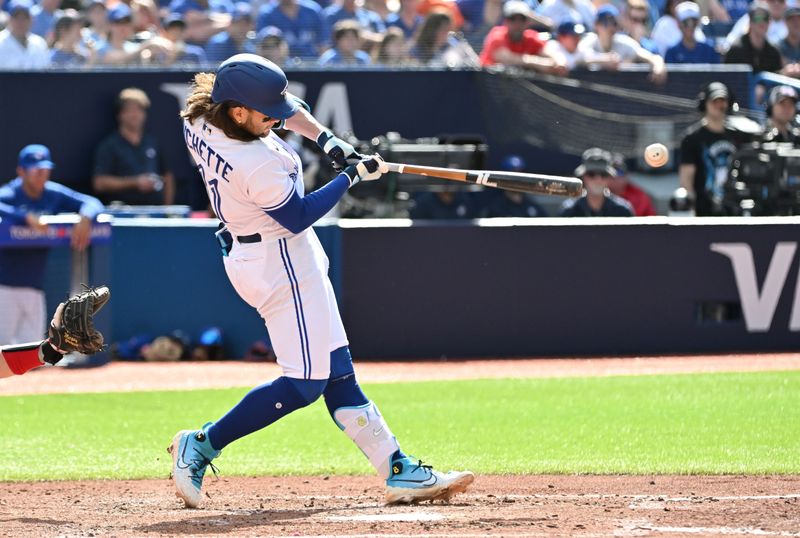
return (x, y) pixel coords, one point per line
(200, 105)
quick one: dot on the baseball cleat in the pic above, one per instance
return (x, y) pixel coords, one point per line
(191, 454)
(414, 482)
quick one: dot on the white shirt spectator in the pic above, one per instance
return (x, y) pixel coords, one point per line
(776, 31)
(556, 50)
(666, 34)
(580, 11)
(15, 55)
(624, 45)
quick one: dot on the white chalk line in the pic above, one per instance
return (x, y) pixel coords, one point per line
(637, 527)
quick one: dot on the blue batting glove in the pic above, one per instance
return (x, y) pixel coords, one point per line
(368, 168)
(341, 153)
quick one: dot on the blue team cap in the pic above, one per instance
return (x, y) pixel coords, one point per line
(185, 6)
(120, 12)
(173, 19)
(570, 28)
(269, 31)
(607, 11)
(15, 6)
(35, 156)
(241, 10)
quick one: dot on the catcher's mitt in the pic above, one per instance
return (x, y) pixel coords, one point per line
(72, 329)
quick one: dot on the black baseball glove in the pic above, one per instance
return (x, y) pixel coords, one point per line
(72, 328)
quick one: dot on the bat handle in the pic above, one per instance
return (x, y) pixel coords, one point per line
(394, 167)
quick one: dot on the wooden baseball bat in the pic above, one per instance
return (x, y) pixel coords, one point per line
(510, 181)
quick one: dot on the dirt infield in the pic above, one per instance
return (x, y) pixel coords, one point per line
(351, 506)
(338, 506)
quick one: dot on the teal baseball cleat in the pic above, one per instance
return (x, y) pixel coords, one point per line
(191, 454)
(412, 482)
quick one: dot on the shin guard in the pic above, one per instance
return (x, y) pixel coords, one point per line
(366, 427)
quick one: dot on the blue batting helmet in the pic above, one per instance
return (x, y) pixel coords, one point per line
(256, 83)
(513, 163)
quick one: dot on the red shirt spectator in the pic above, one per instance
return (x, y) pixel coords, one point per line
(498, 38)
(642, 205)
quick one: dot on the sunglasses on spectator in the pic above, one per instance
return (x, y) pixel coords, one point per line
(517, 18)
(759, 18)
(597, 174)
(689, 22)
(638, 20)
(607, 21)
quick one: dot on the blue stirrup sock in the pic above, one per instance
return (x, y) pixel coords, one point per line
(262, 406)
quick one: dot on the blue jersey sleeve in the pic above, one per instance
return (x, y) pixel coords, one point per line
(299, 213)
(70, 201)
(11, 214)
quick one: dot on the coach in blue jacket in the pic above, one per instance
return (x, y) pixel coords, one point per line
(23, 201)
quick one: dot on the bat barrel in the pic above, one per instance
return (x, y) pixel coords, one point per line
(512, 181)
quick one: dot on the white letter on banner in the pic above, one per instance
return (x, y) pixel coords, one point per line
(333, 107)
(794, 321)
(758, 308)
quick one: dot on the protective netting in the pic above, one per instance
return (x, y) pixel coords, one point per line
(573, 114)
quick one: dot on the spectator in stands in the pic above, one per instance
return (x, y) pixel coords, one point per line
(435, 44)
(667, 31)
(735, 9)
(346, 42)
(789, 46)
(120, 49)
(301, 23)
(146, 20)
(23, 201)
(776, 28)
(596, 172)
(68, 49)
(129, 165)
(426, 7)
(19, 48)
(622, 186)
(94, 34)
(446, 204)
(341, 10)
(781, 113)
(234, 40)
(634, 23)
(406, 18)
(753, 48)
(271, 45)
(565, 45)
(608, 47)
(380, 7)
(706, 150)
(392, 50)
(558, 11)
(201, 22)
(44, 15)
(688, 50)
(513, 43)
(502, 203)
(181, 52)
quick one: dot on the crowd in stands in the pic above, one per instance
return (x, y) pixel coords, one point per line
(554, 36)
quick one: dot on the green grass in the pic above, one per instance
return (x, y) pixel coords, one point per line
(718, 423)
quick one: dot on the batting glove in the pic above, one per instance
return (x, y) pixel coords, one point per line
(367, 169)
(341, 153)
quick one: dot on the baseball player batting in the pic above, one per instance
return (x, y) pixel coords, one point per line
(276, 264)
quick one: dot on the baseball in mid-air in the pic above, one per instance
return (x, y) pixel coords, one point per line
(656, 155)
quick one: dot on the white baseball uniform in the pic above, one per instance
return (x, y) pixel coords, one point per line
(283, 275)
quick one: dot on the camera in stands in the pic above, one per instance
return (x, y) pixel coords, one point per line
(763, 180)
